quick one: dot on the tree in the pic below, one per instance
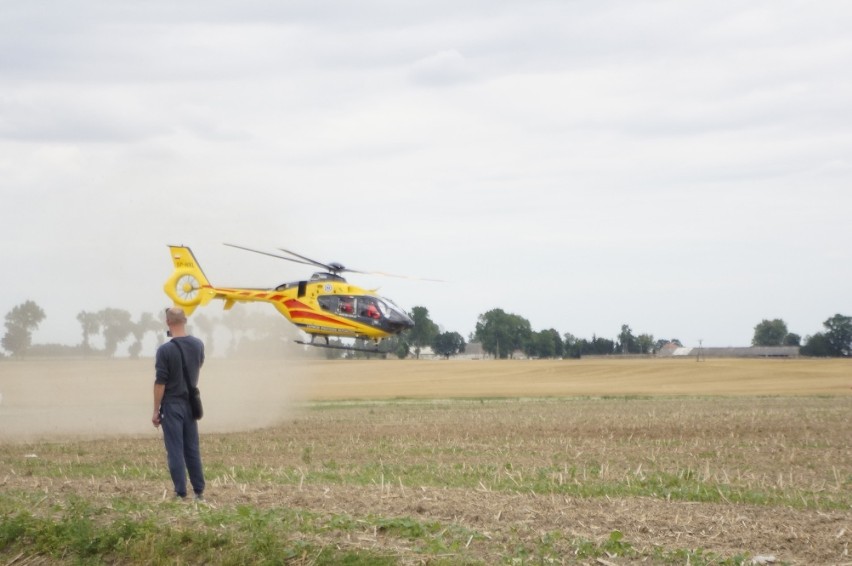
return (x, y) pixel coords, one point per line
(839, 334)
(396, 345)
(836, 341)
(207, 325)
(769, 333)
(597, 346)
(626, 340)
(117, 326)
(603, 346)
(645, 343)
(448, 344)
(424, 330)
(21, 321)
(145, 324)
(237, 323)
(817, 346)
(792, 340)
(570, 346)
(630, 344)
(501, 333)
(91, 324)
(545, 344)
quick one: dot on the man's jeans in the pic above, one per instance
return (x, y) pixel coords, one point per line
(180, 433)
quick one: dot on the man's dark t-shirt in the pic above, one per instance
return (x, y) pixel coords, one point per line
(169, 370)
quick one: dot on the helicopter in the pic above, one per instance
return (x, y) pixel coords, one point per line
(324, 305)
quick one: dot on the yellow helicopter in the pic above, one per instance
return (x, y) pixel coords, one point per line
(325, 305)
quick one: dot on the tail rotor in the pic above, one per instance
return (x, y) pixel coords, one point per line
(186, 282)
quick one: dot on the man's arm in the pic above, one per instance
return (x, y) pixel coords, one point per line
(159, 390)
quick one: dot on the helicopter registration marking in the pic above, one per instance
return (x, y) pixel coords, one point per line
(341, 331)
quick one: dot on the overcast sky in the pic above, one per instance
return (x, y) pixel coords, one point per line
(683, 167)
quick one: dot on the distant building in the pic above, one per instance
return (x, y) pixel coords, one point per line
(426, 353)
(667, 349)
(734, 352)
(474, 351)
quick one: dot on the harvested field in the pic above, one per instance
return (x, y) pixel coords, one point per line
(598, 462)
(59, 398)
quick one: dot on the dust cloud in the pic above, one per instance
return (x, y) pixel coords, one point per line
(55, 399)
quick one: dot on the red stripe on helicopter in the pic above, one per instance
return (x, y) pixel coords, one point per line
(246, 293)
(294, 304)
(301, 310)
(318, 317)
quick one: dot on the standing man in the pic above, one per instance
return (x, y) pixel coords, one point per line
(171, 403)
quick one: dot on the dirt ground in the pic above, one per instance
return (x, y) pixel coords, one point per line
(772, 426)
(49, 398)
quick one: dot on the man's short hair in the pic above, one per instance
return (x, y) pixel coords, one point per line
(175, 315)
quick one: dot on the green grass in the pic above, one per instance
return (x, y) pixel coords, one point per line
(74, 530)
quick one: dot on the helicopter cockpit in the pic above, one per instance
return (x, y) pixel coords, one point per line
(381, 311)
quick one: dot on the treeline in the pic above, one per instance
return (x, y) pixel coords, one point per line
(242, 331)
(505, 335)
(104, 332)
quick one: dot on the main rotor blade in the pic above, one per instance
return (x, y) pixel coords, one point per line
(383, 274)
(338, 267)
(273, 255)
(332, 268)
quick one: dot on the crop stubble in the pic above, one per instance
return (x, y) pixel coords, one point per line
(730, 470)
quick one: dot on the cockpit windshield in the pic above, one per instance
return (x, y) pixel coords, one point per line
(376, 311)
(387, 307)
(360, 306)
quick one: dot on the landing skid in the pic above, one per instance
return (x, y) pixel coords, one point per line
(336, 347)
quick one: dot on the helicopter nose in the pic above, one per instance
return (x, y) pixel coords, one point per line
(401, 321)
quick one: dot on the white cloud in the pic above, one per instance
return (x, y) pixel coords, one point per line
(624, 157)
(443, 68)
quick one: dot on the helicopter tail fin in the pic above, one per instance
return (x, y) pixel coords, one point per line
(187, 286)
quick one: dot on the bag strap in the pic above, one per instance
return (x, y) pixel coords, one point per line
(183, 367)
